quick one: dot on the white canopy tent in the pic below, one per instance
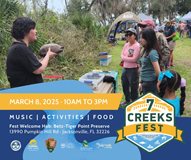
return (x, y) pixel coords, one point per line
(143, 17)
(187, 17)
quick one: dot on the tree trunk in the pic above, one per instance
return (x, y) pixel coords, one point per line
(66, 4)
(149, 7)
(91, 4)
(45, 7)
(159, 17)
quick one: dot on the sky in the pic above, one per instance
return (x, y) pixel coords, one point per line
(57, 5)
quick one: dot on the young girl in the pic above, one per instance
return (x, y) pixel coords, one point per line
(168, 83)
(149, 62)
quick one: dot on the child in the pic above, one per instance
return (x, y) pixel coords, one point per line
(168, 83)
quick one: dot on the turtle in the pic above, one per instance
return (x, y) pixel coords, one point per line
(54, 48)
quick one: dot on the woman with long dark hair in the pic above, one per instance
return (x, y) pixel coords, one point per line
(149, 62)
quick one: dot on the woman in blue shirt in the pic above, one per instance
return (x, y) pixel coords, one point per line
(149, 62)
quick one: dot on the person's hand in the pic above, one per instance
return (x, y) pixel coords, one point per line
(50, 53)
(158, 86)
(140, 88)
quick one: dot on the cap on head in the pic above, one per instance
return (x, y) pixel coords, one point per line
(148, 22)
(132, 30)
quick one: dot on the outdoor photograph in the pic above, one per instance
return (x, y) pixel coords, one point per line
(133, 47)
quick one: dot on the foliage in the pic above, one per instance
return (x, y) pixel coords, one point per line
(159, 10)
(183, 6)
(87, 23)
(76, 6)
(81, 49)
(3, 77)
(81, 29)
(79, 15)
(9, 9)
(81, 36)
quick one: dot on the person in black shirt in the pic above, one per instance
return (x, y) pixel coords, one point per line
(22, 66)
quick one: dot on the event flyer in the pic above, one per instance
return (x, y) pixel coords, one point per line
(95, 80)
(67, 131)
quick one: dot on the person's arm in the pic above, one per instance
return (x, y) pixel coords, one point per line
(123, 52)
(44, 62)
(135, 56)
(156, 67)
(154, 57)
(173, 33)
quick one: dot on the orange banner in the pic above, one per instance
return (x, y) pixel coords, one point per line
(59, 101)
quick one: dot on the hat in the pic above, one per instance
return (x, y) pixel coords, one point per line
(132, 30)
(148, 22)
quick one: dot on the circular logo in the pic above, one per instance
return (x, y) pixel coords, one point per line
(15, 145)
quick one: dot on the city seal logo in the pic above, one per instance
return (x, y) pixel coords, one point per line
(15, 145)
(149, 123)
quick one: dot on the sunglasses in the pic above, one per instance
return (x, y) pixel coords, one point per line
(143, 26)
(128, 34)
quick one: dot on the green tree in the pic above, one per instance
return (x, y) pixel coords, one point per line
(183, 6)
(162, 8)
(81, 17)
(77, 6)
(9, 10)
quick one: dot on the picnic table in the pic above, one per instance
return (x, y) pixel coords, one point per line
(105, 87)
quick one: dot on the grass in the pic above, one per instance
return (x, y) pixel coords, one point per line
(182, 62)
(182, 58)
(115, 51)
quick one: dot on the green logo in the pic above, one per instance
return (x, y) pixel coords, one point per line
(85, 143)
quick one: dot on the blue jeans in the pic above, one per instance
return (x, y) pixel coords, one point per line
(149, 87)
